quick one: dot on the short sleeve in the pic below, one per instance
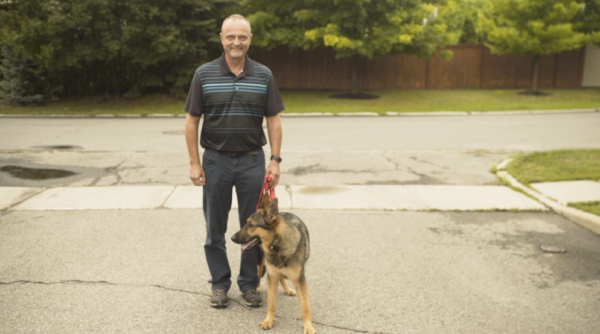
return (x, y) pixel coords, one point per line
(274, 101)
(193, 105)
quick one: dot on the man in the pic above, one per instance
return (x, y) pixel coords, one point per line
(234, 93)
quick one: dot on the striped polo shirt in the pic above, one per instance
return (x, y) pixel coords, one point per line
(233, 107)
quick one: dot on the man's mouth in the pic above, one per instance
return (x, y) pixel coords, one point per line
(253, 242)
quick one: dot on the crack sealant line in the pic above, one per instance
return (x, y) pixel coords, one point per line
(23, 200)
(389, 159)
(417, 197)
(79, 282)
(169, 196)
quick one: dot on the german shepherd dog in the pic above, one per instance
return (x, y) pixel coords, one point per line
(284, 240)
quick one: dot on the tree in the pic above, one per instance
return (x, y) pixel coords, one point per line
(353, 28)
(102, 46)
(535, 28)
(19, 84)
(468, 15)
(590, 18)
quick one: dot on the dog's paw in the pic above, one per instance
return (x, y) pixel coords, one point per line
(258, 289)
(309, 330)
(290, 292)
(267, 324)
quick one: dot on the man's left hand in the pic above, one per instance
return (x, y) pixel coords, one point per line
(273, 170)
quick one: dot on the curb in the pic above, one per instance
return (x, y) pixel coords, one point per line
(328, 114)
(582, 218)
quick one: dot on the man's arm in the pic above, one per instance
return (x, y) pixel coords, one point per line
(275, 136)
(191, 137)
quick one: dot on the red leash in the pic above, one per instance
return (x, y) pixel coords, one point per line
(266, 189)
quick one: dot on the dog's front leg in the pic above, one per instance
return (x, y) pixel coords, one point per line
(272, 285)
(302, 288)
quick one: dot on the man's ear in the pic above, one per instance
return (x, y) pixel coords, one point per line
(264, 203)
(273, 209)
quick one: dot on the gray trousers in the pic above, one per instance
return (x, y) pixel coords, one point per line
(246, 173)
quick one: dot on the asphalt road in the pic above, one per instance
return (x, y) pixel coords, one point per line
(489, 133)
(316, 151)
(143, 271)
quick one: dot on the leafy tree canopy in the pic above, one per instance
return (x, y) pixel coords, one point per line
(363, 28)
(143, 43)
(534, 27)
(589, 18)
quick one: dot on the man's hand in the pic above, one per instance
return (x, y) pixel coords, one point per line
(197, 175)
(273, 170)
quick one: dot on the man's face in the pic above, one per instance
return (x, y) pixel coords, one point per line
(236, 38)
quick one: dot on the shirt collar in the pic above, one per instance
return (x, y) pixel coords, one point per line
(248, 68)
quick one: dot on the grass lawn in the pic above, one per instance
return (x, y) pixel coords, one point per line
(591, 207)
(319, 101)
(563, 165)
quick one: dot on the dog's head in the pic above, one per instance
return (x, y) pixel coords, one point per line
(260, 226)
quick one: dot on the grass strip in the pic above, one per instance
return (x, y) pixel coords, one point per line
(319, 101)
(591, 207)
(552, 166)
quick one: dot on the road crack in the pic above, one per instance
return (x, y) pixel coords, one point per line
(81, 282)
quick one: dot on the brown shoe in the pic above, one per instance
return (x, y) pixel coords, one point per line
(219, 298)
(252, 298)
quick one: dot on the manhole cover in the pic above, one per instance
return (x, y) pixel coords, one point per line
(174, 132)
(36, 173)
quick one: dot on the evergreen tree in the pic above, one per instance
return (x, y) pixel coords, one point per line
(104, 46)
(18, 75)
(468, 14)
(590, 18)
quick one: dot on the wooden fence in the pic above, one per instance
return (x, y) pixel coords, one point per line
(473, 66)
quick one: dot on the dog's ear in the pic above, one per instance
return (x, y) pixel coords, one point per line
(264, 202)
(272, 210)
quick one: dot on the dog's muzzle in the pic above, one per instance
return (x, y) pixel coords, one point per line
(250, 244)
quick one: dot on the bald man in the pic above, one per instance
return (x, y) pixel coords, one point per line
(234, 94)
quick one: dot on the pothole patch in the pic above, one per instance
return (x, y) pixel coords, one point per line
(58, 147)
(26, 173)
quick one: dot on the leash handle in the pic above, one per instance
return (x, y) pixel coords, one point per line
(266, 189)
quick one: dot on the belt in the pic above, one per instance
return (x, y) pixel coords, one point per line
(237, 154)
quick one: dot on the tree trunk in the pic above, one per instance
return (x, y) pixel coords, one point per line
(354, 80)
(115, 79)
(536, 67)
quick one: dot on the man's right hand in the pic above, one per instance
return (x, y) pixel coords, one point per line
(197, 175)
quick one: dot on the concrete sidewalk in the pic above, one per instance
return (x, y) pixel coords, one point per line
(383, 197)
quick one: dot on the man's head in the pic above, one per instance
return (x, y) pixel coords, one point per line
(236, 36)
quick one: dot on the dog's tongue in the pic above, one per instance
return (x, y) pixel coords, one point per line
(249, 244)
